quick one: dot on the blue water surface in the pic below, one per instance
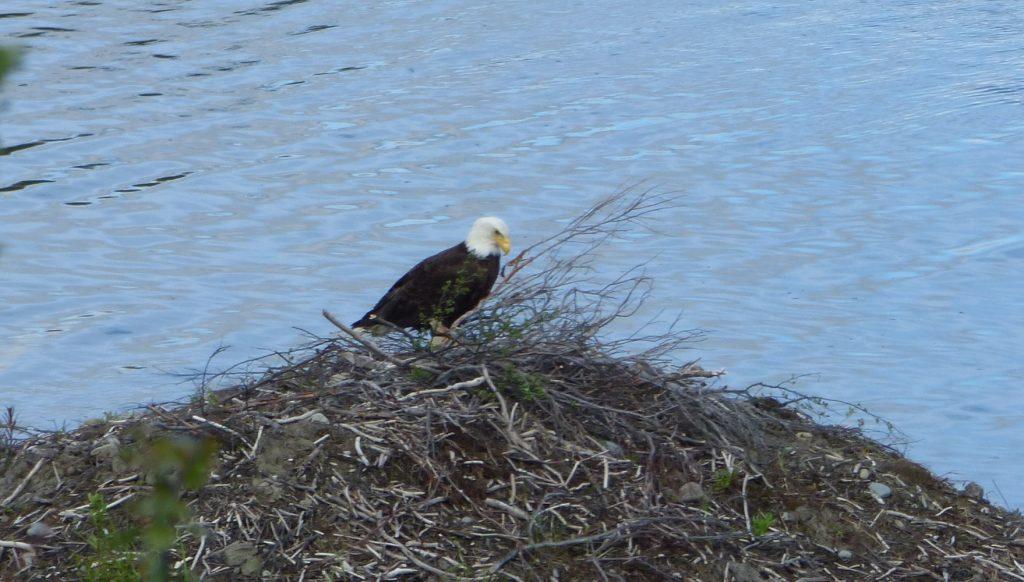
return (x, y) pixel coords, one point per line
(184, 175)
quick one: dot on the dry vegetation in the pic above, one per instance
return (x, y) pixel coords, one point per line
(527, 449)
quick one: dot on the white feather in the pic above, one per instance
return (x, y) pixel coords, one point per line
(481, 241)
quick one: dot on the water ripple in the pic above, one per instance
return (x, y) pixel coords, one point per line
(185, 175)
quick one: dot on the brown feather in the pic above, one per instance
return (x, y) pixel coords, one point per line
(439, 288)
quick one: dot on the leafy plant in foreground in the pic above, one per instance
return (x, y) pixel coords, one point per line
(174, 466)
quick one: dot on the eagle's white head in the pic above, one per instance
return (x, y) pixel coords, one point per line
(488, 236)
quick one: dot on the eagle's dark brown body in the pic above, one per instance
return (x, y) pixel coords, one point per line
(438, 290)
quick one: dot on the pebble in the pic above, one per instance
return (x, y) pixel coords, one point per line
(237, 553)
(614, 449)
(845, 555)
(40, 530)
(864, 473)
(803, 435)
(45, 452)
(801, 514)
(974, 491)
(744, 572)
(359, 361)
(245, 556)
(880, 490)
(691, 492)
(337, 380)
(318, 418)
(268, 490)
(108, 450)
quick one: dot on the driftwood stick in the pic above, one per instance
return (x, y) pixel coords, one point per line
(746, 506)
(221, 427)
(623, 531)
(369, 345)
(510, 509)
(507, 416)
(372, 347)
(17, 490)
(1000, 567)
(422, 565)
(297, 418)
(454, 387)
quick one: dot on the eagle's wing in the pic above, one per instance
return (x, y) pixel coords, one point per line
(405, 301)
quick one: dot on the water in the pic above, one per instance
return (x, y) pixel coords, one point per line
(184, 175)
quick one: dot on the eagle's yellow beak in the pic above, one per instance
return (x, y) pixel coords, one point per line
(503, 242)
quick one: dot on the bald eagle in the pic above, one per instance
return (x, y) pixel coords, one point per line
(441, 288)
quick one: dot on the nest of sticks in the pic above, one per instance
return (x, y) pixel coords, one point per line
(528, 448)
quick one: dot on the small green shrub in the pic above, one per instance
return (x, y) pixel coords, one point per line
(451, 292)
(529, 387)
(114, 554)
(8, 436)
(724, 480)
(761, 523)
(421, 376)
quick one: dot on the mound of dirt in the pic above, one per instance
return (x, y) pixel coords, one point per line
(576, 466)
